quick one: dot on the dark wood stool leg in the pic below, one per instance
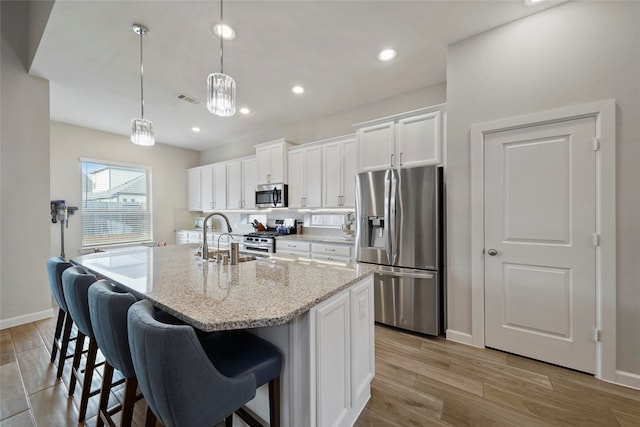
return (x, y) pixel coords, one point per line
(274, 402)
(107, 377)
(228, 422)
(130, 388)
(151, 419)
(77, 355)
(64, 346)
(56, 335)
(88, 376)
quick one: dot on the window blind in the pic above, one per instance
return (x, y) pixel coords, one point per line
(116, 204)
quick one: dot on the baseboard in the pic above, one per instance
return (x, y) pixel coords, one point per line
(27, 318)
(628, 379)
(461, 337)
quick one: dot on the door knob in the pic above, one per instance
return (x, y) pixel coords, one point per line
(492, 252)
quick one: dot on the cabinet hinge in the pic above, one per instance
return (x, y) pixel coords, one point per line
(597, 335)
(596, 144)
(596, 239)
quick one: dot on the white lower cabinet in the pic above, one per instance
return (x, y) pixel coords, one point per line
(182, 237)
(328, 361)
(293, 248)
(329, 252)
(342, 356)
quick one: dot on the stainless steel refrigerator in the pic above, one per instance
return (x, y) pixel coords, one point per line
(400, 227)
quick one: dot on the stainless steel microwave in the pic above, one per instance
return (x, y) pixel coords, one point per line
(272, 196)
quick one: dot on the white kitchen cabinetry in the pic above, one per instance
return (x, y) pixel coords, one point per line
(182, 237)
(407, 140)
(339, 168)
(329, 252)
(241, 184)
(293, 248)
(272, 161)
(219, 186)
(207, 187)
(194, 189)
(342, 358)
(305, 177)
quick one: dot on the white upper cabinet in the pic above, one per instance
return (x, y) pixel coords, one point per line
(193, 189)
(234, 184)
(219, 186)
(249, 183)
(339, 168)
(241, 183)
(305, 177)
(206, 187)
(272, 161)
(406, 140)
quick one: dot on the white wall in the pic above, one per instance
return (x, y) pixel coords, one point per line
(24, 176)
(330, 126)
(575, 53)
(169, 165)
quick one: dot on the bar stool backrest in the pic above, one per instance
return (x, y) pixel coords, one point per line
(55, 267)
(76, 282)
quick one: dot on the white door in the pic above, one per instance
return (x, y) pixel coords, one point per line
(249, 182)
(220, 186)
(377, 147)
(349, 171)
(540, 258)
(419, 140)
(331, 170)
(206, 188)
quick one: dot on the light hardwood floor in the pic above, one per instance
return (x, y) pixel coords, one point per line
(419, 382)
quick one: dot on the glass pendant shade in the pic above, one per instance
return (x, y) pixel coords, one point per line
(142, 132)
(221, 94)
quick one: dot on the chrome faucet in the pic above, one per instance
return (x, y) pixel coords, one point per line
(220, 259)
(205, 246)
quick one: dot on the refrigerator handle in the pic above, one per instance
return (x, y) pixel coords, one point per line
(393, 226)
(387, 223)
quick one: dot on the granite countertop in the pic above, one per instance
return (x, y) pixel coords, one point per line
(212, 297)
(319, 239)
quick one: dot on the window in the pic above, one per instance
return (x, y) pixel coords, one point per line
(116, 204)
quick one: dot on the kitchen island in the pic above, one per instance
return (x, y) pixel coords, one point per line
(320, 316)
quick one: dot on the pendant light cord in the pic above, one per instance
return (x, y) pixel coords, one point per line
(221, 39)
(141, 77)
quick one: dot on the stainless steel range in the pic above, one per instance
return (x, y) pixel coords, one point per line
(262, 241)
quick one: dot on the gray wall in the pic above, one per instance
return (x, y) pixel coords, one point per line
(169, 178)
(330, 126)
(575, 53)
(24, 176)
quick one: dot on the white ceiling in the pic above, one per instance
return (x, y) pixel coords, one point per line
(90, 55)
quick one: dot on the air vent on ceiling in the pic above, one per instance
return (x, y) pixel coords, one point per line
(189, 99)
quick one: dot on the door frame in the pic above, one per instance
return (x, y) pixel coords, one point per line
(604, 114)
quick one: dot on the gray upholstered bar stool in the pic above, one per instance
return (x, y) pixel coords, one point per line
(76, 282)
(189, 382)
(61, 338)
(108, 306)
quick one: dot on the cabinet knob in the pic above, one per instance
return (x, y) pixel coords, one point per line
(401, 159)
(391, 159)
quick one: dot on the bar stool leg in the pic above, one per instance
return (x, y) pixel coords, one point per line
(150, 420)
(76, 362)
(64, 346)
(274, 402)
(131, 386)
(107, 377)
(88, 376)
(56, 335)
(228, 422)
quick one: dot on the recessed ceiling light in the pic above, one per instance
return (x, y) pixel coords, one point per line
(224, 31)
(195, 129)
(387, 55)
(298, 90)
(244, 110)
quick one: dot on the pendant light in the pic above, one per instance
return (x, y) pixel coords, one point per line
(221, 88)
(141, 129)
